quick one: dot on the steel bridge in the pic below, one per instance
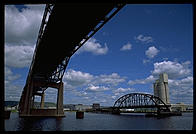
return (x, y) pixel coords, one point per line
(140, 100)
(64, 29)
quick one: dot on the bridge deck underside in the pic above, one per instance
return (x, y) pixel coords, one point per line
(67, 26)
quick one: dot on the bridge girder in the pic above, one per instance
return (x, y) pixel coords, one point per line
(53, 70)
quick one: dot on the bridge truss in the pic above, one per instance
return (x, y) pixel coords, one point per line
(141, 100)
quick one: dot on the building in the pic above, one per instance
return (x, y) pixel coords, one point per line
(81, 107)
(161, 88)
(182, 107)
(96, 106)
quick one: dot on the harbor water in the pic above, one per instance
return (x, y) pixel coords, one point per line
(99, 121)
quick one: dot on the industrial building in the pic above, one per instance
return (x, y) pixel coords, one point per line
(182, 107)
(161, 88)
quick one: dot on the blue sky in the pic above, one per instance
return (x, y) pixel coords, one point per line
(125, 56)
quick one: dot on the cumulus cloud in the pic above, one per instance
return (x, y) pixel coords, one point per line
(77, 78)
(87, 86)
(73, 79)
(22, 27)
(180, 79)
(143, 39)
(18, 56)
(181, 90)
(149, 79)
(126, 47)
(94, 88)
(12, 91)
(94, 47)
(122, 90)
(21, 31)
(173, 69)
(182, 83)
(151, 52)
(10, 76)
(113, 79)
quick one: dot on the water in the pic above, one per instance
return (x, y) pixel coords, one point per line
(93, 121)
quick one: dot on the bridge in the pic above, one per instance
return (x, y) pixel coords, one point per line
(140, 101)
(64, 29)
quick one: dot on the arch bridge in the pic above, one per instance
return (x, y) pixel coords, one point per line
(140, 100)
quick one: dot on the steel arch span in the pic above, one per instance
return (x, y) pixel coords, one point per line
(140, 100)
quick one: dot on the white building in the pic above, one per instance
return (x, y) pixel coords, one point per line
(161, 88)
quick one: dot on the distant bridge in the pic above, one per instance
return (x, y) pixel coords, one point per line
(140, 100)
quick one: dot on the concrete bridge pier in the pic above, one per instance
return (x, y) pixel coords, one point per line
(42, 101)
(27, 109)
(60, 100)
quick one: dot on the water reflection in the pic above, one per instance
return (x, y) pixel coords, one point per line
(59, 124)
(40, 124)
(94, 121)
(30, 124)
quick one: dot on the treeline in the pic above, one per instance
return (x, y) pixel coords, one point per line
(14, 103)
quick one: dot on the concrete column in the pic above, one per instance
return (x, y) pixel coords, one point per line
(24, 103)
(29, 99)
(32, 98)
(42, 101)
(60, 100)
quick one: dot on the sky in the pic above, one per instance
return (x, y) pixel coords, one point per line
(125, 56)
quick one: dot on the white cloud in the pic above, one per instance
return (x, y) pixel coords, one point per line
(180, 80)
(22, 27)
(21, 31)
(73, 79)
(144, 39)
(126, 47)
(181, 90)
(182, 83)
(10, 76)
(12, 91)
(94, 88)
(18, 56)
(117, 93)
(85, 86)
(149, 79)
(151, 52)
(122, 90)
(93, 47)
(77, 78)
(113, 79)
(173, 69)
